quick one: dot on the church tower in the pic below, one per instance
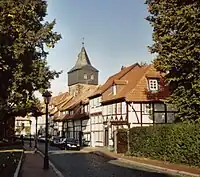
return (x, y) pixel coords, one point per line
(82, 74)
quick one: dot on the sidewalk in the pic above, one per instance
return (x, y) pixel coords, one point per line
(33, 166)
(144, 162)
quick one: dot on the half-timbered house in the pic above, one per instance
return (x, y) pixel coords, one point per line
(57, 102)
(99, 131)
(132, 97)
(75, 115)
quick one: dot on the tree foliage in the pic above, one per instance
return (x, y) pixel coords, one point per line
(24, 36)
(176, 36)
(176, 143)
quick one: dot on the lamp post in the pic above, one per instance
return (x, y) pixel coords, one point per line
(30, 144)
(47, 97)
(36, 119)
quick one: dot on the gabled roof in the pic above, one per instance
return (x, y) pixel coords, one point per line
(141, 93)
(63, 99)
(80, 98)
(113, 78)
(56, 99)
(83, 61)
(136, 88)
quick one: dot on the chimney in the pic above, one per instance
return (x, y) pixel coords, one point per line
(122, 67)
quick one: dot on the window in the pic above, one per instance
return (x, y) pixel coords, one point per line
(85, 76)
(114, 90)
(95, 102)
(119, 108)
(110, 109)
(92, 103)
(153, 84)
(114, 108)
(82, 109)
(71, 112)
(92, 77)
(99, 101)
(147, 108)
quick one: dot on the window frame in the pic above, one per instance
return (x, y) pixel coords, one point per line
(92, 76)
(153, 84)
(85, 76)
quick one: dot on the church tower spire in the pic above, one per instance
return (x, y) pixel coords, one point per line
(83, 73)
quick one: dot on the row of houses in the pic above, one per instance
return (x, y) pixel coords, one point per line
(132, 97)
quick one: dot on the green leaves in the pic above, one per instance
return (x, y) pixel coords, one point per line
(176, 36)
(176, 143)
(23, 65)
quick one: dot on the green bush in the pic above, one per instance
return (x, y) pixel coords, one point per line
(176, 143)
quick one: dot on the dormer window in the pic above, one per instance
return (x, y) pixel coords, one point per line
(153, 84)
(114, 89)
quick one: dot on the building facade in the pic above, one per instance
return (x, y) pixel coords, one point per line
(132, 97)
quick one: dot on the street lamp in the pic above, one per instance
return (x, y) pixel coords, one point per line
(36, 120)
(47, 97)
(30, 144)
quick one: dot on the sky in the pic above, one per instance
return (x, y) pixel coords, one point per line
(115, 33)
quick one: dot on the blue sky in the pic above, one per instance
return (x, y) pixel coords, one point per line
(115, 33)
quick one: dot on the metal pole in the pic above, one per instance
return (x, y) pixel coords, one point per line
(46, 158)
(36, 136)
(30, 144)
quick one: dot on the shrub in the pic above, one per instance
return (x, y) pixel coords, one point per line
(176, 143)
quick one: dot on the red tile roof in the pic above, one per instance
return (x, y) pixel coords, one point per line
(136, 87)
(111, 79)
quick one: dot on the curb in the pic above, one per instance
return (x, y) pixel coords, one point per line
(16, 174)
(148, 166)
(58, 173)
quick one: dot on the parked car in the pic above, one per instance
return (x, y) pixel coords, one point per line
(54, 141)
(69, 144)
(41, 138)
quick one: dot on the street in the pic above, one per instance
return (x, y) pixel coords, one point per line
(81, 164)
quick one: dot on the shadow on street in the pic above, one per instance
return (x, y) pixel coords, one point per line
(76, 164)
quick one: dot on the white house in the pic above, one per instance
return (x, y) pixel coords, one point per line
(74, 115)
(96, 121)
(132, 97)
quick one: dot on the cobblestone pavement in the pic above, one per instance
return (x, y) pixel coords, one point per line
(80, 164)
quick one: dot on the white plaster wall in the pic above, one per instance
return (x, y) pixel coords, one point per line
(95, 108)
(97, 130)
(146, 116)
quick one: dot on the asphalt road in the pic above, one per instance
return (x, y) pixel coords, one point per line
(80, 164)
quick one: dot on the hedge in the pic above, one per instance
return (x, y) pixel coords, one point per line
(176, 143)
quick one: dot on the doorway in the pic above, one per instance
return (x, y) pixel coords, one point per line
(106, 137)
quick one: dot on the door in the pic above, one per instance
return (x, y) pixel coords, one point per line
(106, 137)
(122, 142)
